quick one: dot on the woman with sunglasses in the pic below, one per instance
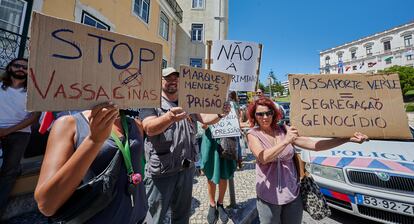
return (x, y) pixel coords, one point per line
(15, 124)
(277, 183)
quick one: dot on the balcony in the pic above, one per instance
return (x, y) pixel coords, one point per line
(177, 9)
(12, 45)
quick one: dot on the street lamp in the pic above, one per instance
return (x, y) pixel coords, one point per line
(270, 81)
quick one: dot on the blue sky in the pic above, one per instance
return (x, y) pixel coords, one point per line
(294, 32)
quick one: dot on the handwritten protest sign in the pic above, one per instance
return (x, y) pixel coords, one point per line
(241, 59)
(73, 66)
(339, 105)
(228, 126)
(202, 90)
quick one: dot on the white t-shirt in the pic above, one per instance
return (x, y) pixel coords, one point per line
(13, 107)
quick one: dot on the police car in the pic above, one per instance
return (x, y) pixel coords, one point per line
(374, 180)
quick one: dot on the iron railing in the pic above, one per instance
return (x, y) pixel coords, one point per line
(12, 45)
(176, 8)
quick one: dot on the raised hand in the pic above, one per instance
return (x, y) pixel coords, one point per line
(291, 134)
(177, 114)
(101, 119)
(359, 138)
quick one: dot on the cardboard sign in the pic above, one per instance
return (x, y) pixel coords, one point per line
(74, 66)
(202, 90)
(339, 105)
(241, 59)
(228, 126)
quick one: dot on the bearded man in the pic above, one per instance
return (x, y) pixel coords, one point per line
(15, 124)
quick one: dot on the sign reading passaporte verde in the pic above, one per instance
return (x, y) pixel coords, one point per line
(73, 66)
(339, 105)
(202, 90)
(241, 59)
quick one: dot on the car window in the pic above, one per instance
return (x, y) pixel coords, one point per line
(285, 105)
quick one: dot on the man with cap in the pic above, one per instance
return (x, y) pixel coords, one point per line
(170, 150)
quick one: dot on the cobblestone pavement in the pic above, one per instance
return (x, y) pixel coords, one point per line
(244, 184)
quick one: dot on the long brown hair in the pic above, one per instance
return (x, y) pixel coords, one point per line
(233, 96)
(7, 82)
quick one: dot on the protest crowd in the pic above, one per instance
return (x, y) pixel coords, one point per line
(126, 149)
(147, 163)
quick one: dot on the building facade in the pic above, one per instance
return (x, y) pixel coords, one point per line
(203, 20)
(371, 53)
(285, 85)
(151, 20)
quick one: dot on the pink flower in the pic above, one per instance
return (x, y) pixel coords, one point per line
(136, 178)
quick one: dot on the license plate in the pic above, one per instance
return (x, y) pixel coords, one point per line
(385, 204)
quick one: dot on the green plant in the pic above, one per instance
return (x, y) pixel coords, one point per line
(409, 107)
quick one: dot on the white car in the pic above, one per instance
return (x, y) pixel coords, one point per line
(374, 180)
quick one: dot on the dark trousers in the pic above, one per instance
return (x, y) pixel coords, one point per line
(13, 146)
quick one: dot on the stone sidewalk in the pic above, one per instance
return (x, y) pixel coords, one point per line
(244, 184)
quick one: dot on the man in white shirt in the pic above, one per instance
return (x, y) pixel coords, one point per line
(15, 124)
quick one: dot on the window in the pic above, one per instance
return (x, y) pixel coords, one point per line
(89, 20)
(409, 57)
(340, 57)
(388, 60)
(198, 4)
(197, 32)
(369, 50)
(164, 63)
(387, 45)
(141, 9)
(353, 54)
(12, 14)
(327, 58)
(164, 26)
(407, 40)
(196, 62)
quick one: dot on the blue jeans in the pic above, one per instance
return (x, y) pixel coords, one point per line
(173, 192)
(13, 146)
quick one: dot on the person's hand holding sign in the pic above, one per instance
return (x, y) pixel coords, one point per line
(358, 138)
(101, 119)
(291, 134)
(177, 114)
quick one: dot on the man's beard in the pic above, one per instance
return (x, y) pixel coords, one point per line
(170, 90)
(19, 77)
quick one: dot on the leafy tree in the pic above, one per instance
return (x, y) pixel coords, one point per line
(406, 75)
(276, 86)
(262, 86)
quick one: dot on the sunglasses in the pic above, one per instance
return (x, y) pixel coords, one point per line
(19, 66)
(258, 93)
(267, 113)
